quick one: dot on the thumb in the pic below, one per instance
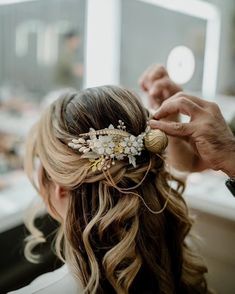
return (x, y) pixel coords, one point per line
(172, 128)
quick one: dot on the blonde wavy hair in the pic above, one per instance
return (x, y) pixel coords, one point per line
(110, 240)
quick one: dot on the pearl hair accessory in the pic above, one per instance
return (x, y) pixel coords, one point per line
(104, 147)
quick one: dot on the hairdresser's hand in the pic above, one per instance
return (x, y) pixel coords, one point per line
(156, 83)
(207, 130)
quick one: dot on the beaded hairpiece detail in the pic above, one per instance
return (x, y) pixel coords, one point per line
(103, 147)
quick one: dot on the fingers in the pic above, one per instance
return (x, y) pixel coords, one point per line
(157, 72)
(152, 73)
(172, 128)
(163, 88)
(200, 102)
(158, 92)
(180, 103)
(160, 89)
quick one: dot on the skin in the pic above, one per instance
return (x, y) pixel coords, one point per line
(156, 83)
(205, 141)
(72, 44)
(58, 196)
(60, 200)
(159, 87)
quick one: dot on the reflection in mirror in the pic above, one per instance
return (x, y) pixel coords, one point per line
(174, 36)
(41, 52)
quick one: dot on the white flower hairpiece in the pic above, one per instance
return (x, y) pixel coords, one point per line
(103, 147)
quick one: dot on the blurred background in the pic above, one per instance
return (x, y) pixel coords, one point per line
(47, 46)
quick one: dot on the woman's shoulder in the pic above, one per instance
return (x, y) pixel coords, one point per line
(58, 281)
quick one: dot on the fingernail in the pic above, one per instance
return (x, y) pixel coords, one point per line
(156, 113)
(153, 122)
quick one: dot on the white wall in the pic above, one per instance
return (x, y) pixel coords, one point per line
(226, 77)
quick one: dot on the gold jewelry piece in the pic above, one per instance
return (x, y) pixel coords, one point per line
(104, 147)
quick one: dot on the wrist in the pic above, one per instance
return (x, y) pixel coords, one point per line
(230, 172)
(229, 163)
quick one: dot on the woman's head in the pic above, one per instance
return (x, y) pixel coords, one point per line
(71, 115)
(111, 240)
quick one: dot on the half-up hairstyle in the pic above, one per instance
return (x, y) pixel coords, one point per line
(112, 242)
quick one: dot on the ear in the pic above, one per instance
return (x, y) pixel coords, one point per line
(60, 200)
(60, 193)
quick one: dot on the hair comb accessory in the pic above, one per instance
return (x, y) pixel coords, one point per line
(104, 147)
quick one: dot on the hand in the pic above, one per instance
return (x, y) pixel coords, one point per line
(207, 130)
(157, 84)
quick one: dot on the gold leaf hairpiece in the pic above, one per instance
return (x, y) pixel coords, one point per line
(103, 147)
